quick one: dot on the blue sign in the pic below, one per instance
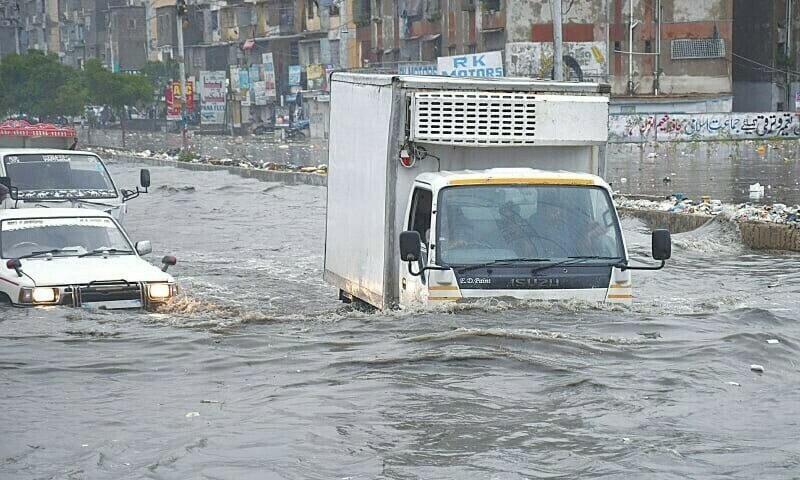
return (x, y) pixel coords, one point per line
(418, 69)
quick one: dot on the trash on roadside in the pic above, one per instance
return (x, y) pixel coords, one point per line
(773, 341)
(735, 384)
(192, 414)
(757, 368)
(209, 401)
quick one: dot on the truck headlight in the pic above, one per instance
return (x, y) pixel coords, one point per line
(160, 291)
(38, 295)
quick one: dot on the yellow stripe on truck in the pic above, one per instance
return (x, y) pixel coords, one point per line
(541, 181)
(443, 287)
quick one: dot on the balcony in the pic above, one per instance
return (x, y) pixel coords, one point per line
(493, 20)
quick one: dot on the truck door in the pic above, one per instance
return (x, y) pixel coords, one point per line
(413, 290)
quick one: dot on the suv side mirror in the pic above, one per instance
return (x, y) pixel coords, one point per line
(662, 245)
(144, 177)
(144, 247)
(410, 250)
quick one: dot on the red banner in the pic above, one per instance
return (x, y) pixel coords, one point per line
(21, 128)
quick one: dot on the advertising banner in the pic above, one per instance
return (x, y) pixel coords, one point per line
(244, 86)
(295, 72)
(269, 75)
(259, 93)
(315, 76)
(486, 64)
(212, 97)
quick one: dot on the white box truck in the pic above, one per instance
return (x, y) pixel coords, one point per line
(447, 189)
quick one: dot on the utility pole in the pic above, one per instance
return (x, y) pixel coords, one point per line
(182, 9)
(657, 62)
(631, 26)
(558, 55)
(790, 56)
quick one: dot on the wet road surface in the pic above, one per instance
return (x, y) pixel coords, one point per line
(256, 371)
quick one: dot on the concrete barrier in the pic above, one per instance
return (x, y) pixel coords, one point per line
(289, 178)
(755, 235)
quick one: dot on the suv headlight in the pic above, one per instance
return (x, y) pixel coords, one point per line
(39, 295)
(161, 291)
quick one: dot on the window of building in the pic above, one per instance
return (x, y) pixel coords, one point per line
(451, 50)
(131, 24)
(471, 48)
(491, 5)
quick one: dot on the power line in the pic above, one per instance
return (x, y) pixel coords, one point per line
(767, 67)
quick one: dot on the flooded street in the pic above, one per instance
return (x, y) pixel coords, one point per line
(257, 371)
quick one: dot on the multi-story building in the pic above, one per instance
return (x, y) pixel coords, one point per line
(765, 63)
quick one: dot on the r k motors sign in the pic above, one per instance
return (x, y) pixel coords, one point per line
(486, 64)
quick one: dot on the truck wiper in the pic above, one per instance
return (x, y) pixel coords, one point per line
(576, 260)
(501, 261)
(45, 252)
(99, 251)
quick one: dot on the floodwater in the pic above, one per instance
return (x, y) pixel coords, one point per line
(721, 170)
(257, 372)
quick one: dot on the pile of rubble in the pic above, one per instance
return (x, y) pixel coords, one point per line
(744, 212)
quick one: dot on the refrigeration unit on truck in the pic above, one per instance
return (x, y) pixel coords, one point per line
(447, 189)
(40, 168)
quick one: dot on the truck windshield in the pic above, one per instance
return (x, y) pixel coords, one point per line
(59, 176)
(485, 223)
(61, 237)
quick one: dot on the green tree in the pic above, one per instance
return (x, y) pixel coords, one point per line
(37, 85)
(160, 73)
(117, 90)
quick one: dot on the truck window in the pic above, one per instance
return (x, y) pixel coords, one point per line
(420, 219)
(483, 223)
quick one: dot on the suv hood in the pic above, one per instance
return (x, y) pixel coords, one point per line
(75, 270)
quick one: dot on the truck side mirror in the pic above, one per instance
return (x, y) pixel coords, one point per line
(662, 245)
(144, 177)
(410, 250)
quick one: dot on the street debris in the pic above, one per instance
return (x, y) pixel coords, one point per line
(773, 341)
(192, 414)
(757, 368)
(743, 212)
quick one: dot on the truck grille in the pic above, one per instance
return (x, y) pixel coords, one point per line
(105, 292)
(473, 118)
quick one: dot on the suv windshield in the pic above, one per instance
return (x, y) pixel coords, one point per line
(59, 176)
(61, 236)
(484, 223)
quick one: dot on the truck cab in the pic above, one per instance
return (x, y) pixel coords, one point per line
(518, 233)
(39, 168)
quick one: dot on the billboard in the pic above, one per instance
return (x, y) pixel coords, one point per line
(173, 96)
(212, 97)
(486, 64)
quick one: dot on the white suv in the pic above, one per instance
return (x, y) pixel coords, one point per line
(79, 257)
